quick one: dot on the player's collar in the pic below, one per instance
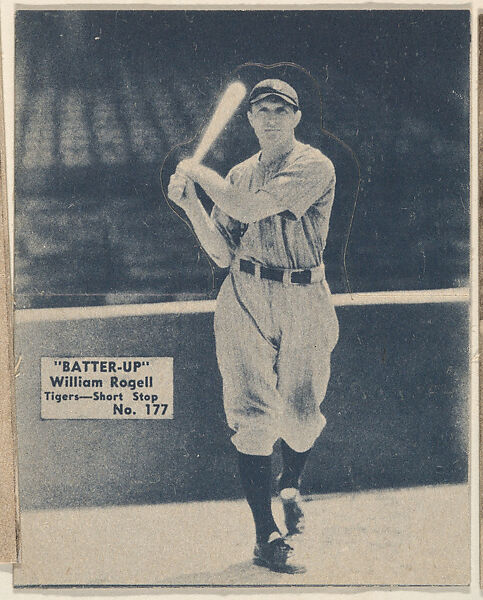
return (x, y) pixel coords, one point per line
(296, 148)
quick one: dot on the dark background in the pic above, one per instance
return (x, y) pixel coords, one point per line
(103, 96)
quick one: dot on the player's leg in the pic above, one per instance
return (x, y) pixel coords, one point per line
(309, 334)
(288, 486)
(246, 352)
(246, 361)
(293, 465)
(256, 477)
(303, 390)
(303, 369)
(271, 549)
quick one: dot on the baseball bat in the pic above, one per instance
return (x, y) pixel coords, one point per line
(225, 109)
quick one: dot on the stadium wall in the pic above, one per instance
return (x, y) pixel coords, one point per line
(396, 409)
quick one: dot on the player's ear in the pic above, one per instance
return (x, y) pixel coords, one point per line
(250, 117)
(297, 117)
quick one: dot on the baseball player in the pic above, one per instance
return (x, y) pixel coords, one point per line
(275, 325)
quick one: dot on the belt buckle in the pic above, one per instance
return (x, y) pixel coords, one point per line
(303, 277)
(246, 266)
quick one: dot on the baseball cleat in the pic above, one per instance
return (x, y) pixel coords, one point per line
(292, 508)
(276, 555)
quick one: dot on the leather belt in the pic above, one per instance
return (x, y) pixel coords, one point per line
(300, 277)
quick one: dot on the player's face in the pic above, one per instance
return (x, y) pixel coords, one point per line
(273, 121)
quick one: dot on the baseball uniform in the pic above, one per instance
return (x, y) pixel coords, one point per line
(274, 336)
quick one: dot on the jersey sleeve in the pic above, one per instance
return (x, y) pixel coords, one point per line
(300, 184)
(231, 229)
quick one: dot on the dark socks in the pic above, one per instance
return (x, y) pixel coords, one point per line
(256, 475)
(293, 465)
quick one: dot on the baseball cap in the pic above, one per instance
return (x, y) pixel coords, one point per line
(274, 87)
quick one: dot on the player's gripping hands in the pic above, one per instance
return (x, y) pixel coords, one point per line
(181, 190)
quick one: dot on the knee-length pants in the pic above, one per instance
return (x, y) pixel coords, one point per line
(273, 344)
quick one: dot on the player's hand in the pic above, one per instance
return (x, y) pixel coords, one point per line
(176, 189)
(187, 167)
(190, 192)
(181, 190)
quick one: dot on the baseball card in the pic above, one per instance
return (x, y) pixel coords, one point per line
(242, 297)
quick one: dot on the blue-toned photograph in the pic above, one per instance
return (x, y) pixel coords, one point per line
(242, 297)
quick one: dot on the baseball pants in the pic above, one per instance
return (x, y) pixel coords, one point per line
(273, 344)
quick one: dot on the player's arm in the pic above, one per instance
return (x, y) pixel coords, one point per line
(245, 207)
(209, 236)
(295, 189)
